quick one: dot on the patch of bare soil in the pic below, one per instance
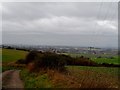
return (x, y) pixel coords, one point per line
(11, 79)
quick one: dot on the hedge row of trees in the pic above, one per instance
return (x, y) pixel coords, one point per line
(46, 60)
(54, 61)
(17, 48)
(57, 61)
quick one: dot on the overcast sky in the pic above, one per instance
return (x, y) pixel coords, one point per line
(71, 24)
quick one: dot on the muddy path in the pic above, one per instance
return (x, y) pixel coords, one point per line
(11, 79)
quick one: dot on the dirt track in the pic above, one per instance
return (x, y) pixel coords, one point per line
(11, 79)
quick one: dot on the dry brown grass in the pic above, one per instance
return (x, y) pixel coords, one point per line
(62, 80)
(91, 79)
(80, 79)
(76, 78)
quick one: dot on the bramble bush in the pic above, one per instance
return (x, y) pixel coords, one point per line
(36, 60)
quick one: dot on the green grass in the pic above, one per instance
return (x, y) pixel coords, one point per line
(10, 55)
(94, 58)
(35, 80)
(107, 60)
(87, 77)
(107, 70)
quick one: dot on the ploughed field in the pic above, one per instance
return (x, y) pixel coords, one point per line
(76, 77)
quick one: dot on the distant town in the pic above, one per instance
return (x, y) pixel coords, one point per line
(65, 49)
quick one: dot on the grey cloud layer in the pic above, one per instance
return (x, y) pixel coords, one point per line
(68, 19)
(41, 10)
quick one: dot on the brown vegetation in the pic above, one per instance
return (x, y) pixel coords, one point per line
(76, 78)
(53, 61)
(53, 65)
(92, 79)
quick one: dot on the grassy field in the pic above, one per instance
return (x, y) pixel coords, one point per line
(33, 80)
(10, 55)
(113, 71)
(78, 77)
(95, 76)
(93, 57)
(107, 60)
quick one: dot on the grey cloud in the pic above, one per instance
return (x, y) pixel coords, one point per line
(26, 11)
(60, 23)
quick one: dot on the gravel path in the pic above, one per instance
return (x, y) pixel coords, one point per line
(11, 79)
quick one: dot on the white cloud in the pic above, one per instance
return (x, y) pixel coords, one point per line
(108, 26)
(64, 25)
